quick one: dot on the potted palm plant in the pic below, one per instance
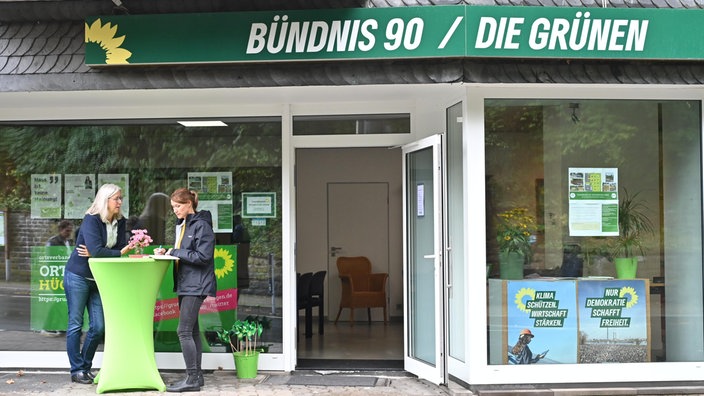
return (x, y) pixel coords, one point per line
(244, 348)
(633, 224)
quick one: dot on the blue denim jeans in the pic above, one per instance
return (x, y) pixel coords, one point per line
(82, 293)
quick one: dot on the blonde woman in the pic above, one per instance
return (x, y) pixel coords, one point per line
(102, 234)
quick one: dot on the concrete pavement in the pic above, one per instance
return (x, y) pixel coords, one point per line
(300, 383)
(224, 383)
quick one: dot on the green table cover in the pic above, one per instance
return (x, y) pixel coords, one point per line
(128, 288)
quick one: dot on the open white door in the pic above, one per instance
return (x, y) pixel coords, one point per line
(423, 274)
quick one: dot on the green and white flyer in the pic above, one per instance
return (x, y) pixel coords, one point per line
(79, 193)
(214, 194)
(46, 196)
(593, 201)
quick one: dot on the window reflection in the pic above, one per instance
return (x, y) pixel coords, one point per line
(542, 157)
(156, 157)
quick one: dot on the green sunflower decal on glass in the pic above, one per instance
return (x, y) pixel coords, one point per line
(101, 43)
(224, 263)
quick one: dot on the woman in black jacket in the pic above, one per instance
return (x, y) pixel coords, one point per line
(194, 280)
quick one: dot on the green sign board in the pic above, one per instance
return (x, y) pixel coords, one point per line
(399, 32)
(259, 205)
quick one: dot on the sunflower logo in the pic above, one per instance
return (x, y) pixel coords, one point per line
(224, 264)
(100, 39)
(632, 296)
(521, 297)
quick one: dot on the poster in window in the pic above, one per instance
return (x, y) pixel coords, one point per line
(79, 193)
(541, 322)
(215, 195)
(46, 196)
(48, 309)
(613, 321)
(593, 201)
(420, 200)
(259, 205)
(123, 181)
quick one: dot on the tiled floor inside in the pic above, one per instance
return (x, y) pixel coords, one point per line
(363, 341)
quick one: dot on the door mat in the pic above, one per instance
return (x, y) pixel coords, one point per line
(348, 364)
(332, 380)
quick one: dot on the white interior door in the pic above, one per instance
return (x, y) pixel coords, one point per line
(358, 225)
(424, 346)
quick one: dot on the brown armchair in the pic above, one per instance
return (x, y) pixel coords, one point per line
(360, 287)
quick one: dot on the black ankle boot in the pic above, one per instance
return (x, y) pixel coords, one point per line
(188, 384)
(201, 380)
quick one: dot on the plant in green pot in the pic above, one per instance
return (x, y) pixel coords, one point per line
(513, 233)
(633, 225)
(265, 322)
(244, 348)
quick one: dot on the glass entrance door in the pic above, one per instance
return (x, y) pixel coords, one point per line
(423, 262)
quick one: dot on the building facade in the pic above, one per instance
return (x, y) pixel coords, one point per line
(453, 140)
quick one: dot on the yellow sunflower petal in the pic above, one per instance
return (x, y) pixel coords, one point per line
(117, 56)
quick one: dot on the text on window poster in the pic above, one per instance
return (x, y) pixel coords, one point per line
(593, 201)
(215, 195)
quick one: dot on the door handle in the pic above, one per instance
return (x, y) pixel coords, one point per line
(429, 256)
(334, 250)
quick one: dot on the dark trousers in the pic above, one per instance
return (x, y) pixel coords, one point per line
(189, 332)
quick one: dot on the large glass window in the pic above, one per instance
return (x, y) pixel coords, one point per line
(50, 175)
(594, 231)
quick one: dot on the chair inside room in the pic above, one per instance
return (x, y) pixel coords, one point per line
(311, 294)
(316, 297)
(360, 287)
(303, 282)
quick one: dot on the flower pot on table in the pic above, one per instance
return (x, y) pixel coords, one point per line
(511, 265)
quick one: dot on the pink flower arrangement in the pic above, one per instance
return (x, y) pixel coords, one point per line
(139, 240)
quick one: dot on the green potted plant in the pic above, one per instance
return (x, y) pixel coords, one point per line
(244, 348)
(633, 225)
(513, 233)
(266, 325)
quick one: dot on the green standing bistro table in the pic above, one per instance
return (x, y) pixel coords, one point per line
(128, 288)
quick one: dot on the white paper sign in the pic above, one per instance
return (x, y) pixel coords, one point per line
(79, 193)
(593, 201)
(46, 196)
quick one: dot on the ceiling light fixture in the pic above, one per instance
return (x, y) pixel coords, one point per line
(203, 123)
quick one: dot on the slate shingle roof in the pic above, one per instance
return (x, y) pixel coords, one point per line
(42, 49)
